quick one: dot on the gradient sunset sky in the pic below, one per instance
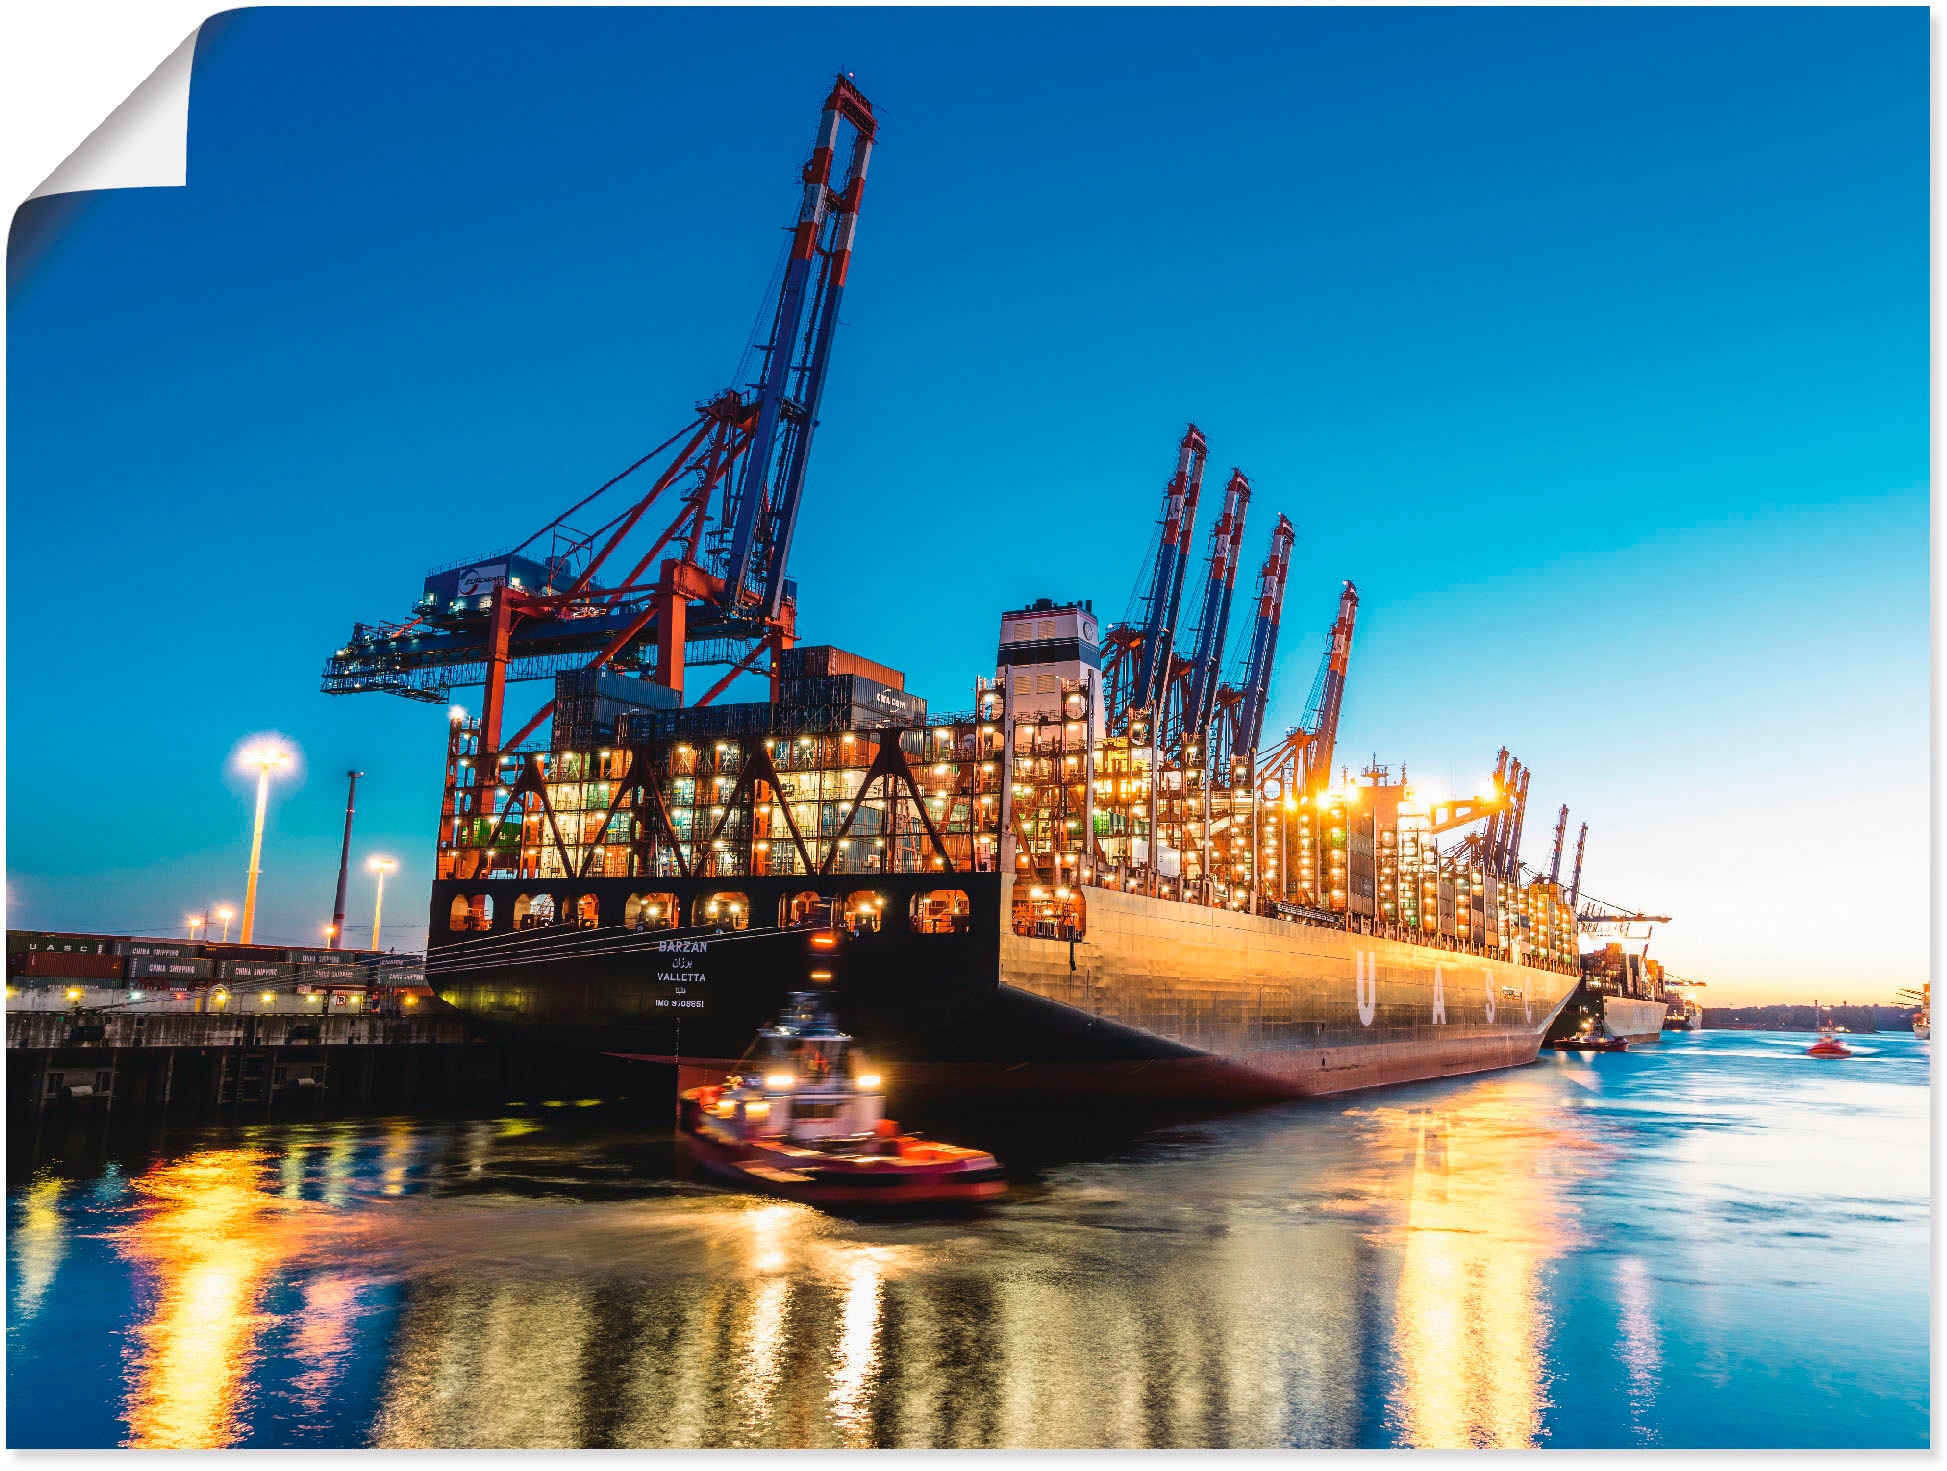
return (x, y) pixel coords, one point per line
(1591, 344)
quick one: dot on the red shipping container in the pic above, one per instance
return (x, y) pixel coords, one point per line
(59, 963)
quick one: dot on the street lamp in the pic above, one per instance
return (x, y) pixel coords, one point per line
(226, 914)
(266, 758)
(195, 921)
(381, 867)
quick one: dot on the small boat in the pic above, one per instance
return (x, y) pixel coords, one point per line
(1828, 1044)
(799, 1122)
(1590, 1042)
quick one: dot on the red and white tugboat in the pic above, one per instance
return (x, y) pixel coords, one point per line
(797, 1121)
(1828, 1044)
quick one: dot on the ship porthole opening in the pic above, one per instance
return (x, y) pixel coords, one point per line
(588, 912)
(1047, 911)
(806, 907)
(863, 910)
(724, 911)
(942, 912)
(651, 912)
(471, 912)
(534, 911)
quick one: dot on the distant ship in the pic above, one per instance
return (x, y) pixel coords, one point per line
(1622, 995)
(1922, 1002)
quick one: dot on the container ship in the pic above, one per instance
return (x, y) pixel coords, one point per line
(1099, 876)
(1624, 994)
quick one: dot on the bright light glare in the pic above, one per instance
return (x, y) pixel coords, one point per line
(382, 865)
(868, 1080)
(778, 1080)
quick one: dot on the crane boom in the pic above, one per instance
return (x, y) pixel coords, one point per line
(763, 509)
(1220, 581)
(1324, 719)
(1164, 600)
(1575, 883)
(1264, 634)
(1561, 836)
(1520, 819)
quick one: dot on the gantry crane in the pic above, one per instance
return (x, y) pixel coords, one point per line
(736, 475)
(1302, 762)
(1191, 712)
(1238, 723)
(1138, 655)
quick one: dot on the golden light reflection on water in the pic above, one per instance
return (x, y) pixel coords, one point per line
(1481, 1219)
(39, 1240)
(855, 1358)
(205, 1249)
(1276, 1291)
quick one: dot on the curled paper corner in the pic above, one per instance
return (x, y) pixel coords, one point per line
(143, 144)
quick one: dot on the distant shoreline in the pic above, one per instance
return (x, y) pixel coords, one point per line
(1785, 1018)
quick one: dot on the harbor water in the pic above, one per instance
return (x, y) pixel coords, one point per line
(1711, 1242)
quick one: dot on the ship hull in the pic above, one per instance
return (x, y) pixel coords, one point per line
(1155, 1000)
(1633, 1020)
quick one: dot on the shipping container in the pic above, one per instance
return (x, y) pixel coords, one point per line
(822, 660)
(323, 974)
(253, 970)
(24, 940)
(168, 968)
(162, 949)
(876, 703)
(61, 964)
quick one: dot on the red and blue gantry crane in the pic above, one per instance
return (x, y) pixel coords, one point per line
(709, 588)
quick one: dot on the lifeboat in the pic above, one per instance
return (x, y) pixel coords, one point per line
(800, 1122)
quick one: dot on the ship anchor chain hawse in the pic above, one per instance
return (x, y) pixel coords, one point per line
(1098, 875)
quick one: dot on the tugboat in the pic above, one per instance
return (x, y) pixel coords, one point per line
(1588, 1037)
(798, 1122)
(1828, 1044)
(1590, 1042)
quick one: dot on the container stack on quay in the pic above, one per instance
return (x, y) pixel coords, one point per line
(96, 1018)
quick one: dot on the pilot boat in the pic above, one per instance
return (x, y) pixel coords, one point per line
(797, 1121)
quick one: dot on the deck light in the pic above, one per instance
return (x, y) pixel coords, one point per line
(757, 1108)
(867, 1080)
(778, 1080)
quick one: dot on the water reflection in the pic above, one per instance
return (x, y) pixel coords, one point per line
(1380, 1270)
(1641, 1345)
(39, 1240)
(1471, 1318)
(204, 1249)
(855, 1359)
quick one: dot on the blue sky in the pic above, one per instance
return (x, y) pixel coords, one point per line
(1591, 344)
